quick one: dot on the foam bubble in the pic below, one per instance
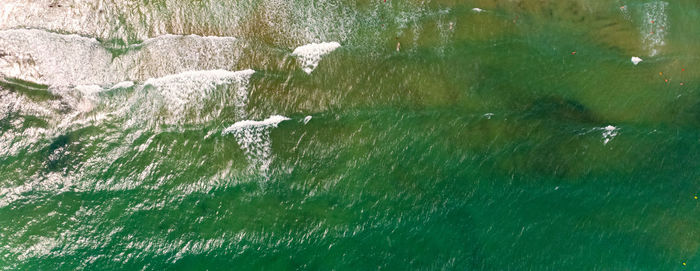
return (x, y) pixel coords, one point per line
(635, 60)
(252, 124)
(609, 132)
(182, 97)
(254, 139)
(310, 54)
(211, 77)
(307, 119)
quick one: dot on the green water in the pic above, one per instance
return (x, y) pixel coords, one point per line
(517, 138)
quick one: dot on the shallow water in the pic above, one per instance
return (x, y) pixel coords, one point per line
(351, 135)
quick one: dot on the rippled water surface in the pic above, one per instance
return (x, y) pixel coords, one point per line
(349, 135)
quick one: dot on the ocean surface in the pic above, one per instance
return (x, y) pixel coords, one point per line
(349, 135)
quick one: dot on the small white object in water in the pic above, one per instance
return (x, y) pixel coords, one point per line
(477, 10)
(488, 115)
(307, 119)
(609, 132)
(311, 54)
(635, 60)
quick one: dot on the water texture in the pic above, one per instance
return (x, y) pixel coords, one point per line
(349, 135)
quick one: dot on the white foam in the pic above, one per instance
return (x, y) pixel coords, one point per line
(170, 54)
(609, 132)
(181, 98)
(166, 38)
(654, 26)
(307, 119)
(50, 58)
(210, 77)
(478, 10)
(635, 60)
(123, 84)
(16, 138)
(246, 124)
(189, 97)
(65, 60)
(285, 22)
(123, 19)
(254, 139)
(310, 54)
(89, 89)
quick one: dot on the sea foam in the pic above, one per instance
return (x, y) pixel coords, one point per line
(654, 26)
(252, 124)
(609, 132)
(184, 97)
(310, 54)
(254, 139)
(307, 119)
(635, 60)
(65, 60)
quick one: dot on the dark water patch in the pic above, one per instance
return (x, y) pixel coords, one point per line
(67, 152)
(33, 121)
(56, 159)
(7, 122)
(559, 110)
(35, 91)
(119, 47)
(688, 114)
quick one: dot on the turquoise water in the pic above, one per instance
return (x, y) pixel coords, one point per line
(349, 135)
